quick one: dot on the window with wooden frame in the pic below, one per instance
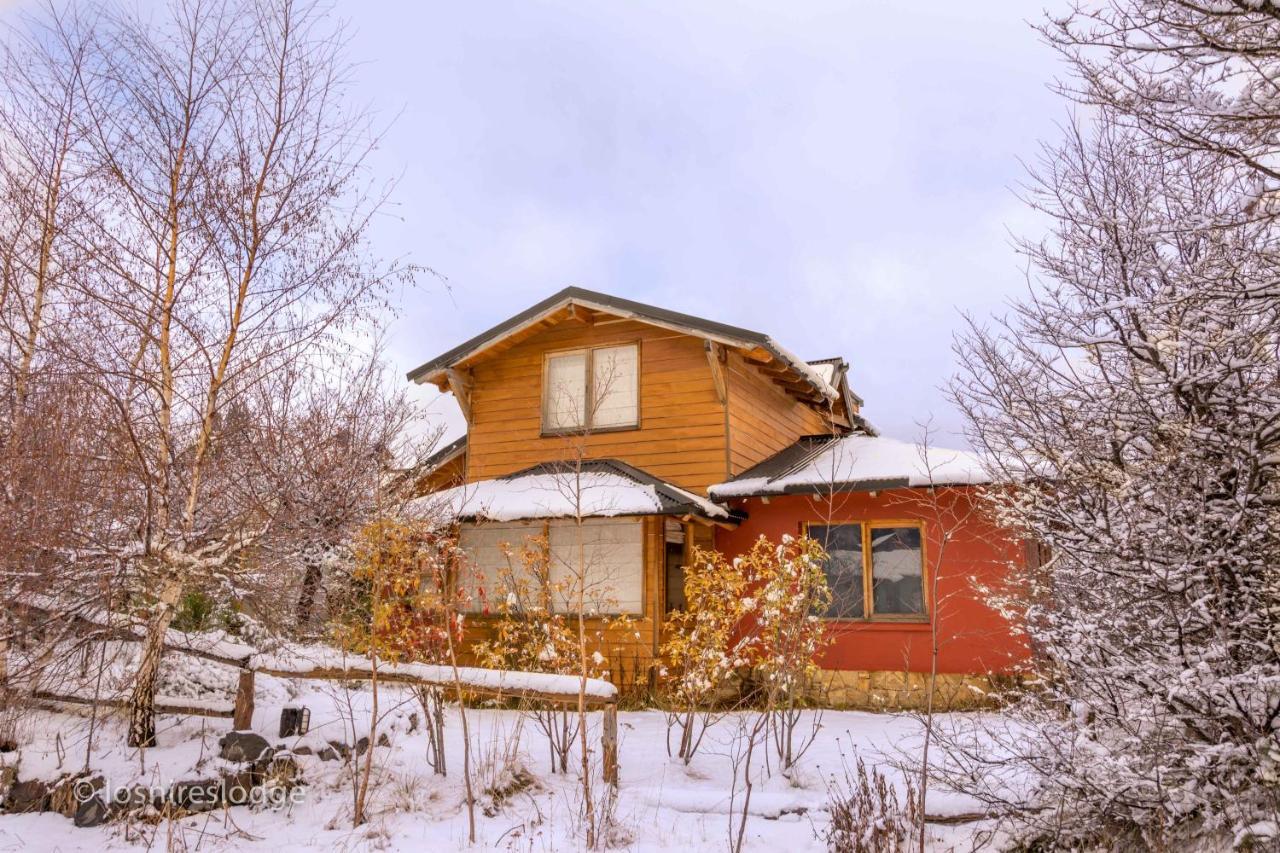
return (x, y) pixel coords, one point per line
(875, 569)
(591, 389)
(602, 560)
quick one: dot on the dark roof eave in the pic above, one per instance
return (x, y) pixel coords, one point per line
(653, 313)
(569, 294)
(444, 454)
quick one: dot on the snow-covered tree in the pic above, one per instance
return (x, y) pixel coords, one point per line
(1134, 398)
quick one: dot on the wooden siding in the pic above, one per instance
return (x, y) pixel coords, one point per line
(763, 418)
(681, 437)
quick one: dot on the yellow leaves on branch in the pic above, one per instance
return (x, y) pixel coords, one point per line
(760, 611)
(407, 573)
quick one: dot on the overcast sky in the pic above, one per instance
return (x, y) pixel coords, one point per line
(839, 175)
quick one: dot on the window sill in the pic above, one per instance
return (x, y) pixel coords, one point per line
(585, 431)
(474, 616)
(912, 625)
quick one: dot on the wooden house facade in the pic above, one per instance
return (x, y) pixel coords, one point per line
(623, 434)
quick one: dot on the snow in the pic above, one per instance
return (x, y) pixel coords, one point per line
(826, 370)
(865, 458)
(306, 659)
(549, 495)
(216, 642)
(662, 805)
(808, 371)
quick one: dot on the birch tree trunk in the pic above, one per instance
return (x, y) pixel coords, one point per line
(142, 715)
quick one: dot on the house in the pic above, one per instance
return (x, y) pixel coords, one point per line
(664, 431)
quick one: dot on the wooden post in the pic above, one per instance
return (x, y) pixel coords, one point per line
(243, 718)
(609, 743)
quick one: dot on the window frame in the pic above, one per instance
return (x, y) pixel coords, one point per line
(868, 598)
(588, 391)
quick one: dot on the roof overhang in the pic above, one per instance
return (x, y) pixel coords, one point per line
(757, 347)
(828, 464)
(594, 488)
(445, 455)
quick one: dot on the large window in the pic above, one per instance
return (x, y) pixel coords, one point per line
(874, 571)
(601, 560)
(591, 389)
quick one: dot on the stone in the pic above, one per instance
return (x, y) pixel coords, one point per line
(29, 796)
(237, 787)
(383, 740)
(132, 799)
(362, 745)
(328, 754)
(201, 795)
(242, 746)
(90, 813)
(303, 749)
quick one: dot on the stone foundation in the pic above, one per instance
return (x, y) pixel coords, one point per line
(900, 691)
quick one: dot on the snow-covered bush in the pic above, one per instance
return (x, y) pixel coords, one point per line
(408, 609)
(789, 597)
(866, 814)
(705, 646)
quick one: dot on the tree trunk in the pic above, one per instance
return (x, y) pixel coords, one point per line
(307, 595)
(142, 702)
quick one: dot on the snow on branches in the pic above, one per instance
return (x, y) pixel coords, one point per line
(1139, 382)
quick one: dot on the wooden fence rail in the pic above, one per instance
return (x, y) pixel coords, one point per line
(495, 684)
(244, 707)
(161, 707)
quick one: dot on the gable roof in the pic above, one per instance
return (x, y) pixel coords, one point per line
(595, 488)
(722, 333)
(819, 464)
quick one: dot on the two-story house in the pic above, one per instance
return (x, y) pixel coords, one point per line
(624, 434)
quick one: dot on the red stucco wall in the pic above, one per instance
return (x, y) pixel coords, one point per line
(973, 637)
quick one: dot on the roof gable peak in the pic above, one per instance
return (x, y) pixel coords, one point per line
(436, 370)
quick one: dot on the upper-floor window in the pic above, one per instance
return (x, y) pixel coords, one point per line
(594, 388)
(874, 571)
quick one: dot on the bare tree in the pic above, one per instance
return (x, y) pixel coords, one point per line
(191, 187)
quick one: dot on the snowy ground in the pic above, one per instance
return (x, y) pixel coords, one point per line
(662, 804)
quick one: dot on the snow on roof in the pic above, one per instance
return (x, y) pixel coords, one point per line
(826, 370)
(812, 376)
(600, 487)
(854, 462)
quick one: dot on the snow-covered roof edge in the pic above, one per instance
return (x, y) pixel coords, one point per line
(819, 464)
(605, 488)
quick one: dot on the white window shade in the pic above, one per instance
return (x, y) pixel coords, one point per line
(603, 559)
(614, 384)
(565, 395)
(483, 545)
